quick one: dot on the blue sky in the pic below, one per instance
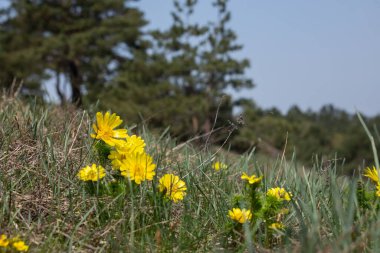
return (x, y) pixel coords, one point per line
(303, 52)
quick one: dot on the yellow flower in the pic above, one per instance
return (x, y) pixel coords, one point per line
(138, 167)
(251, 179)
(3, 241)
(239, 215)
(173, 187)
(104, 129)
(219, 165)
(20, 246)
(372, 174)
(276, 225)
(378, 190)
(93, 173)
(132, 144)
(279, 193)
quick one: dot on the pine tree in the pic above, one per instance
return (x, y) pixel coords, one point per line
(183, 81)
(219, 67)
(177, 77)
(218, 64)
(84, 41)
(159, 87)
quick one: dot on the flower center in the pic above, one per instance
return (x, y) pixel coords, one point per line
(107, 132)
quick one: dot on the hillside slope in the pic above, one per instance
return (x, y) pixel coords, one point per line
(44, 202)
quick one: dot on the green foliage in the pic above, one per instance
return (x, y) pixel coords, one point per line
(363, 196)
(43, 201)
(268, 214)
(103, 151)
(158, 77)
(81, 40)
(181, 82)
(310, 134)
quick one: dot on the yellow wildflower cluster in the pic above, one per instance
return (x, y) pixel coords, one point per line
(14, 243)
(279, 193)
(173, 187)
(244, 215)
(267, 209)
(132, 145)
(129, 157)
(240, 215)
(374, 176)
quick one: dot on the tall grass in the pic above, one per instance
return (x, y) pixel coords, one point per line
(41, 199)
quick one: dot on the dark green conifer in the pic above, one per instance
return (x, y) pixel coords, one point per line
(83, 41)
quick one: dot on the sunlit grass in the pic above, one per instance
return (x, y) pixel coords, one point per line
(43, 201)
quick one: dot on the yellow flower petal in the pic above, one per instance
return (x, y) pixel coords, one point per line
(372, 174)
(240, 215)
(106, 117)
(91, 173)
(120, 133)
(279, 193)
(378, 190)
(138, 167)
(277, 226)
(20, 246)
(115, 121)
(99, 118)
(251, 179)
(4, 242)
(173, 187)
(104, 129)
(219, 165)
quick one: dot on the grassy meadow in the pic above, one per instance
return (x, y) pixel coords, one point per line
(44, 202)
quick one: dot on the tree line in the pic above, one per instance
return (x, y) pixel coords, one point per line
(330, 135)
